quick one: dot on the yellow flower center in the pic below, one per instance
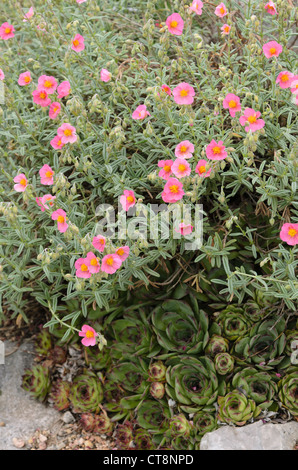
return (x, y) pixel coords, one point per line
(76, 42)
(7, 30)
(110, 261)
(84, 267)
(292, 232)
(93, 262)
(272, 50)
(222, 10)
(42, 95)
(120, 252)
(174, 189)
(101, 241)
(251, 119)
(89, 334)
(181, 167)
(59, 142)
(183, 92)
(23, 182)
(130, 198)
(61, 219)
(27, 79)
(174, 24)
(167, 168)
(232, 104)
(284, 78)
(202, 169)
(227, 29)
(216, 149)
(47, 84)
(49, 174)
(183, 148)
(55, 109)
(67, 132)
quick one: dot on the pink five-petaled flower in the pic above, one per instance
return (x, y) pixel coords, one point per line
(201, 169)
(127, 200)
(173, 191)
(57, 143)
(289, 234)
(105, 75)
(196, 6)
(122, 252)
(294, 85)
(272, 49)
(28, 15)
(270, 8)
(175, 24)
(110, 263)
(216, 151)
(93, 263)
(184, 93)
(251, 117)
(166, 169)
(21, 181)
(6, 31)
(41, 97)
(46, 175)
(221, 10)
(87, 332)
(60, 216)
(99, 243)
(184, 149)
(82, 269)
(140, 112)
(25, 78)
(225, 29)
(47, 83)
(63, 89)
(2, 76)
(47, 199)
(166, 89)
(55, 109)
(232, 103)
(77, 43)
(184, 229)
(67, 133)
(284, 79)
(181, 168)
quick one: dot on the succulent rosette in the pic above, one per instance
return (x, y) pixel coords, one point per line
(157, 390)
(124, 435)
(180, 426)
(43, 342)
(224, 363)
(86, 393)
(288, 391)
(181, 326)
(203, 422)
(131, 376)
(143, 440)
(113, 395)
(216, 344)
(236, 408)
(182, 443)
(193, 383)
(233, 323)
(97, 359)
(102, 424)
(37, 382)
(157, 371)
(58, 355)
(259, 306)
(154, 415)
(60, 395)
(258, 385)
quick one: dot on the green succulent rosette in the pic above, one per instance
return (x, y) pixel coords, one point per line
(37, 382)
(288, 391)
(97, 359)
(216, 344)
(60, 395)
(204, 421)
(182, 443)
(259, 306)
(143, 440)
(224, 363)
(124, 435)
(193, 383)
(157, 390)
(258, 385)
(157, 371)
(236, 408)
(43, 343)
(180, 326)
(264, 346)
(233, 323)
(154, 416)
(86, 393)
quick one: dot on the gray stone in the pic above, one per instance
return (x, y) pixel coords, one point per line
(68, 418)
(256, 436)
(21, 414)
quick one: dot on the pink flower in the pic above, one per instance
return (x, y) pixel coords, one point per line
(110, 263)
(21, 181)
(93, 263)
(46, 175)
(41, 97)
(25, 78)
(127, 200)
(173, 191)
(63, 89)
(81, 1)
(2, 76)
(105, 75)
(29, 14)
(166, 169)
(216, 151)
(201, 169)
(184, 229)
(175, 24)
(232, 103)
(55, 109)
(78, 43)
(270, 8)
(60, 216)
(294, 85)
(166, 89)
(82, 269)
(47, 83)
(184, 150)
(225, 29)
(284, 79)
(67, 133)
(57, 143)
(140, 112)
(272, 49)
(87, 332)
(48, 199)
(6, 31)
(251, 120)
(196, 6)
(99, 243)
(289, 234)
(184, 93)
(122, 252)
(221, 10)
(181, 168)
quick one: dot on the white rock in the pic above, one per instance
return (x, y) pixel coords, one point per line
(68, 418)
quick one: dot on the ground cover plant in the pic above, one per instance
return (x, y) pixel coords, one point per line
(109, 110)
